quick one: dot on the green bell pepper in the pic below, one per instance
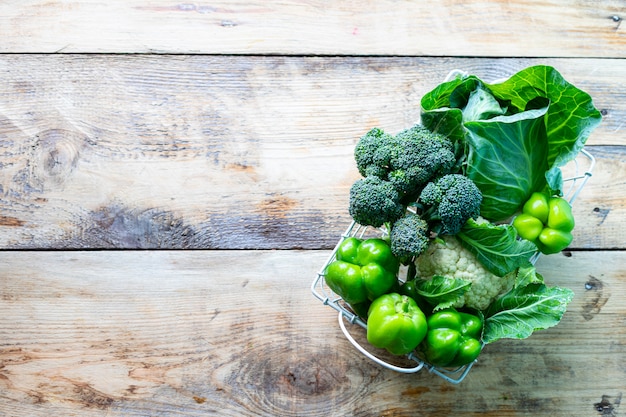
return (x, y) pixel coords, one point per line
(537, 206)
(409, 288)
(453, 338)
(396, 323)
(363, 270)
(546, 221)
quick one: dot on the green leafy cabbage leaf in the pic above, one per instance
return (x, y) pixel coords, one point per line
(505, 152)
(517, 133)
(441, 292)
(527, 274)
(496, 247)
(525, 309)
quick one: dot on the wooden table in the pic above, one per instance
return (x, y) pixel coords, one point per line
(173, 175)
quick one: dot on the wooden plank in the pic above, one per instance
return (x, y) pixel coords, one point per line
(599, 209)
(531, 28)
(237, 333)
(134, 151)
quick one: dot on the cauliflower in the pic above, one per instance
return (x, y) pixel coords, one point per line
(447, 257)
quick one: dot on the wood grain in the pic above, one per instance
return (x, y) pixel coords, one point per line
(599, 209)
(175, 152)
(230, 125)
(529, 28)
(238, 333)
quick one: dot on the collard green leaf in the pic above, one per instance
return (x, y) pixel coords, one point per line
(441, 292)
(525, 309)
(496, 246)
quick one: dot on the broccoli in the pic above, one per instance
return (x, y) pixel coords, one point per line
(450, 201)
(408, 160)
(374, 202)
(409, 236)
(371, 153)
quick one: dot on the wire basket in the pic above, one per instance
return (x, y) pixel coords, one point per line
(581, 169)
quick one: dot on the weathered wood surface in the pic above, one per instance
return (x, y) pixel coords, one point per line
(231, 125)
(381, 27)
(237, 333)
(120, 151)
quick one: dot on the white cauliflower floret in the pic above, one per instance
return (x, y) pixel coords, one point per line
(449, 258)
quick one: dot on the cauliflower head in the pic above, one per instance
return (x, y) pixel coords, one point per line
(447, 257)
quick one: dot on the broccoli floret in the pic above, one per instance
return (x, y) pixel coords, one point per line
(409, 236)
(432, 153)
(374, 202)
(370, 153)
(408, 160)
(449, 202)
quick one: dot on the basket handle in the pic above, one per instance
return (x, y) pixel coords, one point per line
(374, 358)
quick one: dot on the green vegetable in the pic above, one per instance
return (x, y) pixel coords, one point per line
(553, 241)
(409, 237)
(396, 324)
(528, 307)
(528, 226)
(520, 147)
(361, 309)
(537, 206)
(408, 160)
(372, 153)
(526, 275)
(450, 201)
(496, 247)
(374, 202)
(409, 289)
(447, 257)
(546, 221)
(517, 133)
(560, 215)
(363, 270)
(439, 291)
(453, 338)
(446, 192)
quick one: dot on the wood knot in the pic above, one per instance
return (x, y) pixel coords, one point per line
(596, 296)
(56, 154)
(123, 227)
(273, 374)
(608, 405)
(308, 378)
(277, 206)
(92, 398)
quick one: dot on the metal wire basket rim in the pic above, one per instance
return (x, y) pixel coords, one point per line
(360, 348)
